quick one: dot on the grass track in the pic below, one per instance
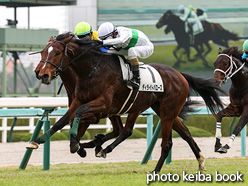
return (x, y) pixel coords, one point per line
(119, 174)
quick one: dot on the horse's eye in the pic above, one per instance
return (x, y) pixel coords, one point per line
(57, 53)
(225, 63)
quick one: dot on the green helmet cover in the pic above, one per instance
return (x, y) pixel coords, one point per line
(82, 28)
(245, 46)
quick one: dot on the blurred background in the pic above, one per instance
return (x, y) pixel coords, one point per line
(26, 26)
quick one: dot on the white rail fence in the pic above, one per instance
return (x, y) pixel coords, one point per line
(39, 102)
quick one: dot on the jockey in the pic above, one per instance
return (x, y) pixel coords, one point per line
(193, 25)
(245, 49)
(202, 16)
(127, 41)
(83, 29)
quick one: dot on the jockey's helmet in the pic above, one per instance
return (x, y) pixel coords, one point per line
(83, 28)
(245, 46)
(106, 30)
(180, 8)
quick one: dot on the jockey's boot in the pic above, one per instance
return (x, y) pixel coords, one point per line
(135, 81)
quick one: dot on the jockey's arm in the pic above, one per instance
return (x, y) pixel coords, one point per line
(203, 17)
(120, 52)
(124, 37)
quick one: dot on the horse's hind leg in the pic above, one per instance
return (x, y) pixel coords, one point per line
(184, 132)
(125, 133)
(166, 127)
(117, 127)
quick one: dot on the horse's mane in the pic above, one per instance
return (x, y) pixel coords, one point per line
(84, 41)
(64, 36)
(234, 51)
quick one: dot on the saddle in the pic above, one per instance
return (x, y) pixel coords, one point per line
(150, 79)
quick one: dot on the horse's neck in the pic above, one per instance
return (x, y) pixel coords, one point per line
(178, 27)
(239, 80)
(68, 78)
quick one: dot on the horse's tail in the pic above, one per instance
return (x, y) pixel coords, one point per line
(224, 34)
(187, 108)
(207, 89)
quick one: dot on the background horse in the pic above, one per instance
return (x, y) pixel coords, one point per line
(100, 90)
(212, 31)
(229, 65)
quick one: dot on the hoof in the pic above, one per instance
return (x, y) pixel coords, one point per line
(32, 145)
(216, 148)
(81, 152)
(97, 150)
(201, 162)
(101, 154)
(223, 150)
(74, 148)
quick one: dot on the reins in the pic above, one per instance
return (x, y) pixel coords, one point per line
(229, 72)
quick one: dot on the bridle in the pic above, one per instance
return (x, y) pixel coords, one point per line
(59, 67)
(231, 71)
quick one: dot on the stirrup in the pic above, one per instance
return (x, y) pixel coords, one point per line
(135, 83)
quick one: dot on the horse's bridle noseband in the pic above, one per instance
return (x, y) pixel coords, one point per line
(229, 72)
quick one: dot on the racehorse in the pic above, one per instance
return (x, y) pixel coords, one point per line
(69, 80)
(100, 91)
(212, 31)
(228, 65)
(68, 77)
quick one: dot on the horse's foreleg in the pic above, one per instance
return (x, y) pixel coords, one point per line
(229, 111)
(96, 106)
(125, 133)
(209, 49)
(240, 125)
(184, 132)
(43, 138)
(177, 64)
(117, 127)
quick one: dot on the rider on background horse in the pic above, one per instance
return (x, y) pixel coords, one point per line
(202, 16)
(193, 25)
(84, 29)
(127, 41)
(245, 54)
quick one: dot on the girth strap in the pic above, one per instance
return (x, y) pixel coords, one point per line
(129, 101)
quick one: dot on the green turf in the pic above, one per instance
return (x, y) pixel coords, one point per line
(119, 174)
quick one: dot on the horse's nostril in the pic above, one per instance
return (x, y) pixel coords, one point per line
(45, 76)
(37, 74)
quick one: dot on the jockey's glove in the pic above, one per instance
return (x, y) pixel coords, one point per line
(98, 43)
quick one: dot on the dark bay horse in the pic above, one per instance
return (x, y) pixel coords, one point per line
(212, 31)
(69, 79)
(228, 65)
(101, 92)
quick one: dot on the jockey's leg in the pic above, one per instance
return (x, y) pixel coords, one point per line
(135, 81)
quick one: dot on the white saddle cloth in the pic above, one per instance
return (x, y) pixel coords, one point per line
(150, 79)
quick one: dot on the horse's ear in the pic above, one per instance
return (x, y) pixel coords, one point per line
(220, 50)
(67, 40)
(51, 38)
(233, 49)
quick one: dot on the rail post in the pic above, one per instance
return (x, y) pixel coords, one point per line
(46, 150)
(243, 141)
